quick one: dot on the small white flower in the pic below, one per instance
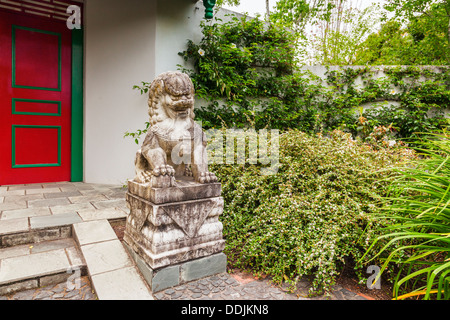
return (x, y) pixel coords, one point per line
(392, 143)
(233, 46)
(201, 52)
(393, 92)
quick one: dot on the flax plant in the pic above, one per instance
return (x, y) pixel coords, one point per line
(419, 238)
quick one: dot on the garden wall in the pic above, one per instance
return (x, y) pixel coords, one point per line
(379, 72)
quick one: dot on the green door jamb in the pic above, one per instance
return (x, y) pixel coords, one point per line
(77, 105)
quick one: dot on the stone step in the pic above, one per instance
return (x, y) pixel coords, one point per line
(29, 230)
(95, 250)
(34, 229)
(26, 267)
(113, 273)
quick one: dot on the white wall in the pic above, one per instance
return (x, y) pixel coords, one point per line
(119, 53)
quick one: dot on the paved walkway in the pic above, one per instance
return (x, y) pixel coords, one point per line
(76, 291)
(48, 229)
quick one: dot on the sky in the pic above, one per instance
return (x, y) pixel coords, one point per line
(259, 6)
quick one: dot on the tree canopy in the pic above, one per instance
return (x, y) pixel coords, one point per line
(423, 41)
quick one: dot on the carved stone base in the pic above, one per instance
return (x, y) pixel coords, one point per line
(175, 275)
(164, 232)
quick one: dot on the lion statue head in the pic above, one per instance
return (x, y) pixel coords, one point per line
(171, 96)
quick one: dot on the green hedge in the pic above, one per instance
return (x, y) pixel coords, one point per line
(313, 215)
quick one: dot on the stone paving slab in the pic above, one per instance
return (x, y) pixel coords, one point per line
(14, 251)
(14, 226)
(51, 245)
(89, 198)
(127, 285)
(42, 190)
(13, 205)
(105, 256)
(69, 194)
(116, 203)
(48, 202)
(33, 265)
(102, 214)
(4, 193)
(71, 208)
(94, 231)
(11, 198)
(113, 273)
(25, 213)
(24, 187)
(54, 220)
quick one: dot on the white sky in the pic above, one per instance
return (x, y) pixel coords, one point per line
(259, 6)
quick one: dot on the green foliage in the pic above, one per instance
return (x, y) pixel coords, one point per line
(296, 14)
(219, 3)
(388, 46)
(247, 73)
(336, 41)
(241, 91)
(431, 39)
(419, 204)
(410, 8)
(422, 95)
(424, 41)
(250, 66)
(313, 216)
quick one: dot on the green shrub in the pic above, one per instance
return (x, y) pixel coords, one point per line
(310, 217)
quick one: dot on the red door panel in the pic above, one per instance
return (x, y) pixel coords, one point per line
(36, 58)
(35, 100)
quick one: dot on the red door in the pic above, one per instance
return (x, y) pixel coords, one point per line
(35, 100)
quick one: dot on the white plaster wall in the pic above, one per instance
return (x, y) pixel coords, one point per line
(119, 53)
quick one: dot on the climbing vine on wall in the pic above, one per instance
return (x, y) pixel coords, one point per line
(408, 99)
(248, 74)
(246, 70)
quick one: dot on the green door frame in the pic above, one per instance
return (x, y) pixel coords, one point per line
(77, 105)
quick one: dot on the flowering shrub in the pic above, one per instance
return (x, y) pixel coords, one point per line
(311, 217)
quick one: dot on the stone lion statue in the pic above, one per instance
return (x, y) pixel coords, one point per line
(175, 145)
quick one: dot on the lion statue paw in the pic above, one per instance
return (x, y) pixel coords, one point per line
(207, 177)
(163, 170)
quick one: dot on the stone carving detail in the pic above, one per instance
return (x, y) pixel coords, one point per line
(174, 200)
(175, 145)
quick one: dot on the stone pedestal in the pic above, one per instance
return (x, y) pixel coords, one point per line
(171, 230)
